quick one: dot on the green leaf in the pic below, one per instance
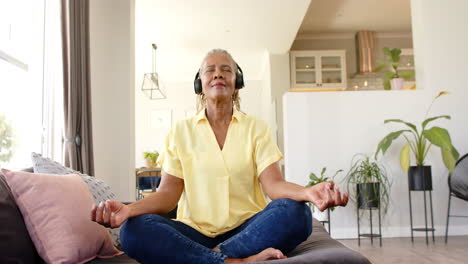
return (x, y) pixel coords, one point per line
(389, 75)
(395, 54)
(455, 153)
(380, 67)
(403, 122)
(313, 177)
(387, 141)
(323, 171)
(449, 159)
(405, 157)
(439, 137)
(406, 74)
(387, 51)
(387, 85)
(424, 124)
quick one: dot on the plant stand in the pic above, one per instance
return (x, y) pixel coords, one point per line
(371, 234)
(327, 221)
(425, 187)
(425, 228)
(368, 196)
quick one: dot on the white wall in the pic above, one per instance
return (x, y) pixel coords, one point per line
(177, 67)
(327, 129)
(112, 80)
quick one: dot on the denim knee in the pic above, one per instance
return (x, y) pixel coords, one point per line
(129, 233)
(299, 212)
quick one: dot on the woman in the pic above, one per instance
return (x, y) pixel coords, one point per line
(218, 166)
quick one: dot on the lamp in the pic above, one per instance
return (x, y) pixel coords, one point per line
(150, 84)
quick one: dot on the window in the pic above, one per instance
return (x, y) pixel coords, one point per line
(25, 99)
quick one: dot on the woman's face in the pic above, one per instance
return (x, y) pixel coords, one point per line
(218, 77)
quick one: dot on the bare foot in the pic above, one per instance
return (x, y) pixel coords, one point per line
(267, 254)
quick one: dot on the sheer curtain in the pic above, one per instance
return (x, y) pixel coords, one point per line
(78, 143)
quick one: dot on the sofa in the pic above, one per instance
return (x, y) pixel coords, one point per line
(16, 245)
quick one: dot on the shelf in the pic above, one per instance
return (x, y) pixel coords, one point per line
(422, 229)
(369, 235)
(305, 70)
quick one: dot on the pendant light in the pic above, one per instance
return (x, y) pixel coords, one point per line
(150, 84)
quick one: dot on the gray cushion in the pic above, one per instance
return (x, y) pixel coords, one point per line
(15, 244)
(319, 248)
(98, 188)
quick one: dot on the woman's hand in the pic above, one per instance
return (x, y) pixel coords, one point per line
(110, 213)
(325, 195)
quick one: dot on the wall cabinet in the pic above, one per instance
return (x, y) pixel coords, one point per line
(318, 69)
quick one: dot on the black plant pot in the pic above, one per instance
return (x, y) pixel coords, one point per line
(368, 195)
(420, 178)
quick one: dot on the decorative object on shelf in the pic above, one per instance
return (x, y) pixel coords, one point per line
(323, 217)
(419, 143)
(372, 190)
(6, 140)
(150, 158)
(150, 85)
(393, 79)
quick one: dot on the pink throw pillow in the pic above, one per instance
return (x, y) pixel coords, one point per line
(56, 211)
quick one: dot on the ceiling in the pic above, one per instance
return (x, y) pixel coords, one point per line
(247, 24)
(346, 16)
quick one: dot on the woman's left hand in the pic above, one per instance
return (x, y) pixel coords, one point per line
(325, 195)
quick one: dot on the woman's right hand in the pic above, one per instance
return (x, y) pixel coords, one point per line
(110, 213)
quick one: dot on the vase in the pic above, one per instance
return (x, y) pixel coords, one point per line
(420, 178)
(397, 83)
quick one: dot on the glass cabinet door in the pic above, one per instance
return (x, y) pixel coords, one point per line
(407, 64)
(305, 70)
(331, 70)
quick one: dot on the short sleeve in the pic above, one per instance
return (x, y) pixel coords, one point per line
(169, 159)
(266, 150)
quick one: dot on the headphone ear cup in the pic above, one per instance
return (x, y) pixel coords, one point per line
(197, 85)
(239, 80)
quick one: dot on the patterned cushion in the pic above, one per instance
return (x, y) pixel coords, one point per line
(98, 188)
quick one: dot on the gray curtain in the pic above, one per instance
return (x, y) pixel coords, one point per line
(78, 143)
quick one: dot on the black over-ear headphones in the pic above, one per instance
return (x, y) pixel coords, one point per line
(239, 80)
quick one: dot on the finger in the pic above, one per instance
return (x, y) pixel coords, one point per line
(106, 214)
(93, 213)
(331, 185)
(337, 196)
(113, 221)
(345, 198)
(99, 210)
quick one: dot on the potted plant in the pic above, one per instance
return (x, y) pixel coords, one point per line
(371, 181)
(313, 180)
(150, 158)
(418, 142)
(393, 79)
(6, 140)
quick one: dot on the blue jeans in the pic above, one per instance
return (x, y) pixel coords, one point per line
(150, 238)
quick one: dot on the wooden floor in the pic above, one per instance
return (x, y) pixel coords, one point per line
(401, 250)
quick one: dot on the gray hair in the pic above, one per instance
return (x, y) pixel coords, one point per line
(219, 51)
